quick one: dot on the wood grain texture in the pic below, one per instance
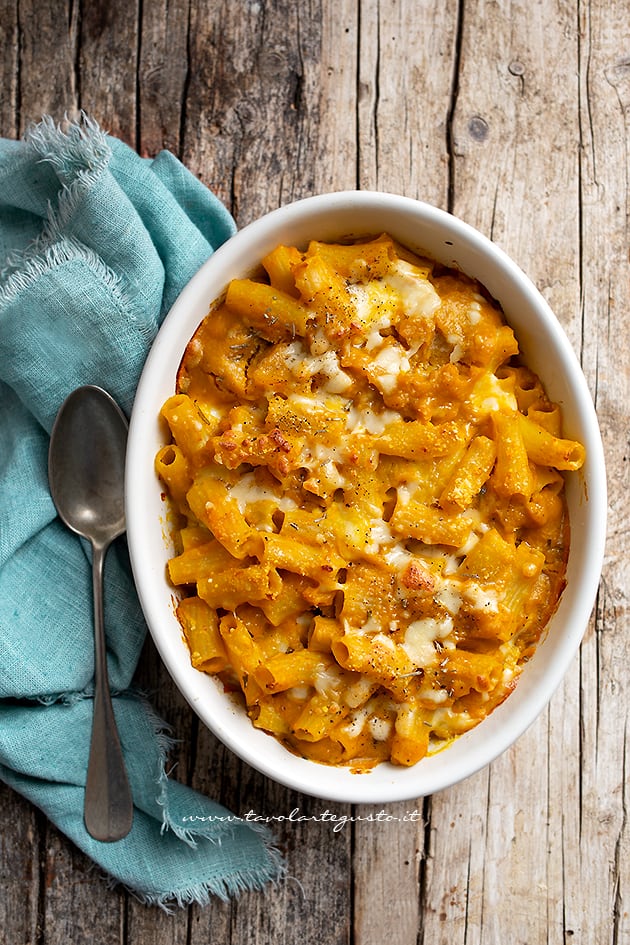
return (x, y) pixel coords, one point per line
(516, 116)
(407, 67)
(604, 841)
(9, 69)
(515, 79)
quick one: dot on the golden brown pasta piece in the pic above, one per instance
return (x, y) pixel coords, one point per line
(274, 314)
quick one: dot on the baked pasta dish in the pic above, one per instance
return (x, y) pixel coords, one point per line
(368, 484)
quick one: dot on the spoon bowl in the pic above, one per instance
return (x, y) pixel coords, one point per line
(86, 462)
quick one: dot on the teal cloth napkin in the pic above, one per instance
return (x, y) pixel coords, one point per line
(95, 245)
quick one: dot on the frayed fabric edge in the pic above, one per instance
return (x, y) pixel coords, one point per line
(224, 888)
(271, 867)
(83, 153)
(161, 729)
(227, 825)
(47, 253)
(203, 892)
(75, 141)
(205, 829)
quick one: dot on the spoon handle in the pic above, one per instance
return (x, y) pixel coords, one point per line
(108, 806)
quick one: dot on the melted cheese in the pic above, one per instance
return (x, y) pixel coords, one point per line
(305, 366)
(374, 303)
(380, 729)
(481, 598)
(418, 297)
(372, 625)
(437, 696)
(380, 535)
(491, 395)
(449, 595)
(358, 692)
(474, 312)
(367, 420)
(247, 491)
(358, 718)
(328, 681)
(420, 637)
(390, 362)
(398, 557)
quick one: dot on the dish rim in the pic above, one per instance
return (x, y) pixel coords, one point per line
(586, 490)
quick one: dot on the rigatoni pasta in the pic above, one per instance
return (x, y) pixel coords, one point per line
(372, 533)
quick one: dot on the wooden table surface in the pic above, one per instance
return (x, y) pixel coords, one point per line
(516, 117)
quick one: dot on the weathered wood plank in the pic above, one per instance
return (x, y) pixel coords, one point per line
(514, 177)
(453, 874)
(252, 111)
(598, 890)
(150, 924)
(216, 773)
(304, 832)
(407, 53)
(403, 101)
(241, 133)
(162, 75)
(58, 895)
(388, 848)
(108, 66)
(78, 905)
(516, 79)
(20, 891)
(9, 68)
(47, 43)
(329, 137)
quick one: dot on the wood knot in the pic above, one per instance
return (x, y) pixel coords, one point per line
(516, 68)
(478, 128)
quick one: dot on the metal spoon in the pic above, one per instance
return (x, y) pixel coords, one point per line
(85, 470)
